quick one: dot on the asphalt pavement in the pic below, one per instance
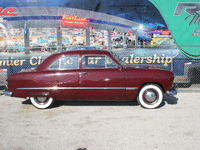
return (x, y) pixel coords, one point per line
(101, 125)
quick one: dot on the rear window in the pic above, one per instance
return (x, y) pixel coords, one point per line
(65, 62)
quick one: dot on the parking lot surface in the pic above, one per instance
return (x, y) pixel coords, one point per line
(101, 125)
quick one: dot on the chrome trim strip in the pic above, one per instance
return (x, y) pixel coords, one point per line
(82, 88)
(48, 88)
(102, 88)
(131, 88)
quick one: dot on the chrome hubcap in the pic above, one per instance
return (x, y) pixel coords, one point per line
(41, 99)
(150, 96)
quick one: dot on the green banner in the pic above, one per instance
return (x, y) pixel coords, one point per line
(183, 20)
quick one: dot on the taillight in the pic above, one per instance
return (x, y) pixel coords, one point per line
(188, 63)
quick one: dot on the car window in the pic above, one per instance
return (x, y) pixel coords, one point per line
(116, 57)
(66, 62)
(110, 63)
(55, 65)
(98, 61)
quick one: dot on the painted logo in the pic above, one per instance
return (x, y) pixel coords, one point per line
(192, 9)
(8, 12)
(183, 20)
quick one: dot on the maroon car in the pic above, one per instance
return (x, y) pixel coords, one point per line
(90, 75)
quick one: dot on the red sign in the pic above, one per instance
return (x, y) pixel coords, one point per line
(8, 12)
(161, 32)
(129, 33)
(165, 32)
(73, 20)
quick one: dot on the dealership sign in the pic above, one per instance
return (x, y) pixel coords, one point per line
(68, 20)
(183, 20)
(35, 61)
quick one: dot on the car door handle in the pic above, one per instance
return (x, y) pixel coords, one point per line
(83, 73)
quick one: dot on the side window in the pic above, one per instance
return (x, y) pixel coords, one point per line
(98, 61)
(66, 62)
(93, 62)
(110, 63)
(55, 65)
(69, 62)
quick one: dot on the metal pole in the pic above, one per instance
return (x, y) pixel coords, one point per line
(88, 36)
(26, 42)
(59, 39)
(109, 40)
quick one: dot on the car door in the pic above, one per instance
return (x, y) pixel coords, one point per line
(100, 78)
(64, 77)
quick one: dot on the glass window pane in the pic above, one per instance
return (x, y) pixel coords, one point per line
(55, 65)
(110, 63)
(73, 37)
(11, 40)
(69, 62)
(43, 39)
(117, 39)
(93, 62)
(99, 38)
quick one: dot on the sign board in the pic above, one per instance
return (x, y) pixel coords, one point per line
(8, 12)
(183, 20)
(68, 20)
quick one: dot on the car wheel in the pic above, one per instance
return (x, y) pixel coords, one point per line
(150, 96)
(42, 102)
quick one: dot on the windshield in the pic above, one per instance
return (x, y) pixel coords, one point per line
(118, 59)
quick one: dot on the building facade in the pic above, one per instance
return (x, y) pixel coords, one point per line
(57, 28)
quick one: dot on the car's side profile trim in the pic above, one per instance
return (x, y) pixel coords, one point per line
(131, 88)
(75, 88)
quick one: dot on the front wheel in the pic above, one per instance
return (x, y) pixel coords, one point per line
(42, 102)
(150, 96)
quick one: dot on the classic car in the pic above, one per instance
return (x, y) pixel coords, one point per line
(91, 75)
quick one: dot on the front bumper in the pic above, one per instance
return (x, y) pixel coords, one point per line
(8, 93)
(173, 91)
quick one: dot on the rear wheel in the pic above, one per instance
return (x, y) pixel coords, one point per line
(150, 96)
(42, 102)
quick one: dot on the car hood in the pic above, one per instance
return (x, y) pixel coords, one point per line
(143, 66)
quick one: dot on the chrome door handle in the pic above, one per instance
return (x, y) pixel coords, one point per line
(83, 73)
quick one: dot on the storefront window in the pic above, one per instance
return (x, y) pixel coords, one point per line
(73, 37)
(162, 41)
(117, 39)
(12, 40)
(99, 39)
(43, 39)
(130, 41)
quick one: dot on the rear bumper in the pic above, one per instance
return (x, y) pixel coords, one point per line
(8, 93)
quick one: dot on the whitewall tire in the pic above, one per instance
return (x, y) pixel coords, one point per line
(42, 102)
(150, 96)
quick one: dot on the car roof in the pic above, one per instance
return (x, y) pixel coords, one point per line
(84, 52)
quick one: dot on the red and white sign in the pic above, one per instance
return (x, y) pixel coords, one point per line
(161, 32)
(8, 12)
(73, 20)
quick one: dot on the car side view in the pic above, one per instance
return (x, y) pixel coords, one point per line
(93, 75)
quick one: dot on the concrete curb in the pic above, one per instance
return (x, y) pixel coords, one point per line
(188, 90)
